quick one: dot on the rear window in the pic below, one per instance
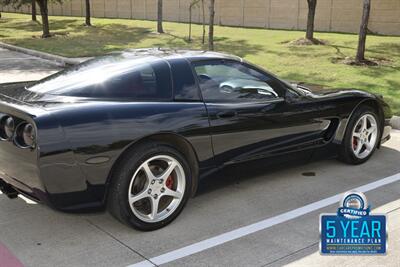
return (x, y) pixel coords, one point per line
(136, 80)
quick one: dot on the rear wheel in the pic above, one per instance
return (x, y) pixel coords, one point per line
(361, 137)
(150, 187)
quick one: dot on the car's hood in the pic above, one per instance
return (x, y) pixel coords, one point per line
(323, 91)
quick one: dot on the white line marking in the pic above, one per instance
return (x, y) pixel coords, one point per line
(255, 227)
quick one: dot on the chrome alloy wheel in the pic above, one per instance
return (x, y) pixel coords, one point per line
(365, 136)
(157, 188)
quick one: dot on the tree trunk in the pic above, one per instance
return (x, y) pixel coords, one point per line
(211, 26)
(312, 5)
(45, 17)
(190, 23)
(160, 17)
(87, 6)
(363, 32)
(204, 22)
(33, 7)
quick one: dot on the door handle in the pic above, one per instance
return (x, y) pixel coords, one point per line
(226, 114)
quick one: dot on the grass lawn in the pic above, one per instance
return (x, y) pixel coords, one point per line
(314, 64)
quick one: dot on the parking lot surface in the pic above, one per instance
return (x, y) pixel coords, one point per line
(231, 200)
(15, 67)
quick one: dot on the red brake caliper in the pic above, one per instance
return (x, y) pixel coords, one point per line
(354, 142)
(170, 182)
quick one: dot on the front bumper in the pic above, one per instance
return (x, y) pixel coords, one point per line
(386, 131)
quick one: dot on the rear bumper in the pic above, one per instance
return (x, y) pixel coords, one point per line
(13, 189)
(9, 186)
(54, 180)
(19, 172)
(8, 190)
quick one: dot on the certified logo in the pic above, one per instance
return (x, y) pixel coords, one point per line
(353, 230)
(354, 205)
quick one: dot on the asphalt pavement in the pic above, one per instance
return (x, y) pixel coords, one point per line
(248, 215)
(15, 67)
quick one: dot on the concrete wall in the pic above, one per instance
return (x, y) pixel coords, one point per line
(332, 15)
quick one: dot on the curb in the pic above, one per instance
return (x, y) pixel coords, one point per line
(395, 122)
(63, 61)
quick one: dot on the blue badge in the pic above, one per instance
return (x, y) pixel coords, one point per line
(353, 230)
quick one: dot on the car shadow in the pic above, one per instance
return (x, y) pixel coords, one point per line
(305, 164)
(233, 197)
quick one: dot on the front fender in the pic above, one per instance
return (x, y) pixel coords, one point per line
(383, 109)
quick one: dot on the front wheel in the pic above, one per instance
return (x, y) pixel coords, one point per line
(361, 137)
(151, 187)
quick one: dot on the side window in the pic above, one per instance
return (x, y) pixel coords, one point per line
(229, 81)
(143, 82)
(185, 87)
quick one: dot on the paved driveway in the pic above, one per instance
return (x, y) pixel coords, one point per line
(16, 67)
(243, 216)
(230, 200)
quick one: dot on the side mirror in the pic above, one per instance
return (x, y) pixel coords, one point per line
(291, 97)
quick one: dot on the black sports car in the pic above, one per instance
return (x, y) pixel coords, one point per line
(135, 131)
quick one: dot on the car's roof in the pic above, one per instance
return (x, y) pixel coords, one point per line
(115, 63)
(191, 55)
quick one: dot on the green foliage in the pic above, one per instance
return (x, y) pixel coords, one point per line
(18, 3)
(15, 3)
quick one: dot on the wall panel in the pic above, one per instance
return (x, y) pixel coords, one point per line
(331, 15)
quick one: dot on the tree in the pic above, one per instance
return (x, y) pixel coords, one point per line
(203, 40)
(362, 37)
(193, 4)
(211, 26)
(33, 9)
(160, 16)
(312, 5)
(87, 6)
(44, 13)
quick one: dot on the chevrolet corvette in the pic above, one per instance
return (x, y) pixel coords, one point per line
(134, 132)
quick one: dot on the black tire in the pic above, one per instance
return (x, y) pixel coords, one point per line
(346, 153)
(118, 204)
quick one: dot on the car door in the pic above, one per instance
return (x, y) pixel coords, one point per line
(249, 115)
